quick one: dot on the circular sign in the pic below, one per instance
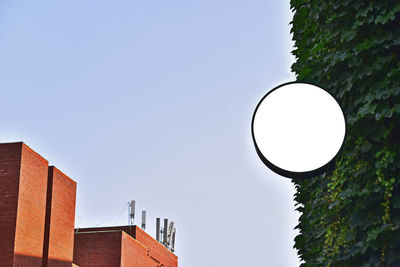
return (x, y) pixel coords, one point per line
(298, 129)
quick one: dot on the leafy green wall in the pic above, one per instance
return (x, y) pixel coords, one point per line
(350, 216)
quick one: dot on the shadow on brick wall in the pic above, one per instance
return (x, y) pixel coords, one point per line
(29, 261)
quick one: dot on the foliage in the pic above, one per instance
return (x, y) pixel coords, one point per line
(350, 216)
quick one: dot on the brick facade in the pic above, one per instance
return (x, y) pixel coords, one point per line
(133, 253)
(23, 186)
(115, 248)
(98, 249)
(156, 250)
(10, 162)
(60, 219)
(145, 249)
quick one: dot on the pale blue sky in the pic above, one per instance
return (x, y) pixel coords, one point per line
(152, 100)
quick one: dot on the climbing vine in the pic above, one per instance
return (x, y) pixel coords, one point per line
(350, 216)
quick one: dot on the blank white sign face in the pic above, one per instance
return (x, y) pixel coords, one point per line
(298, 127)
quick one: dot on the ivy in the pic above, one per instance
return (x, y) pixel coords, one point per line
(350, 216)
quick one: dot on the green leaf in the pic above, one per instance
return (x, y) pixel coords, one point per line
(368, 108)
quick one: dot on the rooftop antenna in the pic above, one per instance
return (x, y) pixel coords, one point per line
(169, 233)
(173, 240)
(131, 212)
(165, 232)
(143, 220)
(166, 235)
(158, 230)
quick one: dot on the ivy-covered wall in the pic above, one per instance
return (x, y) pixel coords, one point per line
(350, 216)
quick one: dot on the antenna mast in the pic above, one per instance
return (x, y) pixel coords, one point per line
(131, 212)
(158, 229)
(143, 220)
(166, 235)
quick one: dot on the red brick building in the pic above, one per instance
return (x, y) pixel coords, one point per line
(23, 185)
(37, 213)
(126, 246)
(60, 218)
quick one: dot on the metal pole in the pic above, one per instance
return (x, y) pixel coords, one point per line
(158, 229)
(143, 219)
(165, 232)
(132, 212)
(173, 240)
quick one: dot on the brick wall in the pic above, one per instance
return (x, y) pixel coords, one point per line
(23, 184)
(10, 161)
(156, 251)
(135, 254)
(111, 249)
(60, 219)
(100, 249)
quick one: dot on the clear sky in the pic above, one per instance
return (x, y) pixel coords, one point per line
(152, 100)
